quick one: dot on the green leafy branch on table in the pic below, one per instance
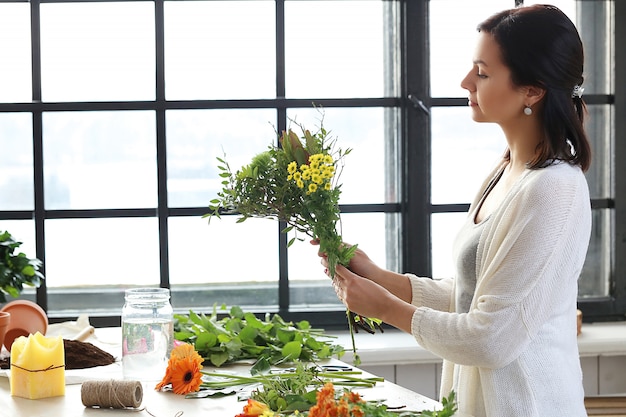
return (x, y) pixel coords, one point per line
(242, 336)
(273, 343)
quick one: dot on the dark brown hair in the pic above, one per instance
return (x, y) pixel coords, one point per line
(542, 48)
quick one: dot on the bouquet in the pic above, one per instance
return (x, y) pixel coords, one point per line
(296, 182)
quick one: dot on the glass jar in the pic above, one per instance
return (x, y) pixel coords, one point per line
(147, 333)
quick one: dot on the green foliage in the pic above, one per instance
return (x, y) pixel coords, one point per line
(285, 390)
(241, 335)
(16, 269)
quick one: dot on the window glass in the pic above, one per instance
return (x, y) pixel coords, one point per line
(16, 161)
(368, 175)
(107, 253)
(567, 6)
(99, 160)
(97, 51)
(596, 26)
(463, 153)
(223, 252)
(334, 49)
(453, 40)
(196, 138)
(15, 71)
(595, 277)
(600, 130)
(220, 50)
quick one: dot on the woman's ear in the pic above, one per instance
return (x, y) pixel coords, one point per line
(534, 94)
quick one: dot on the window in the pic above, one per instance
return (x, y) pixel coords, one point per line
(112, 115)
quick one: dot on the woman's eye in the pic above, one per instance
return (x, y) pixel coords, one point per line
(481, 75)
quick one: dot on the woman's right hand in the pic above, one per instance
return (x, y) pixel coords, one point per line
(360, 264)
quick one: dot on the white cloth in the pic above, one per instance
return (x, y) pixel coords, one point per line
(515, 352)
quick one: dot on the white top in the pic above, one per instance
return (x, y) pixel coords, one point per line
(515, 352)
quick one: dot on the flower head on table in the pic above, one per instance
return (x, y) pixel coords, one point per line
(183, 370)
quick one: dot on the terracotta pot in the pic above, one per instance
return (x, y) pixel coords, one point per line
(26, 318)
(5, 318)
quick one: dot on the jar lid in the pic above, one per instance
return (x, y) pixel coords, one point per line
(147, 294)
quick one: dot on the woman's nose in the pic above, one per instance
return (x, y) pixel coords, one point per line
(466, 83)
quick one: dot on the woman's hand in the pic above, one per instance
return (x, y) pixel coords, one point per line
(360, 263)
(360, 295)
(398, 284)
(369, 299)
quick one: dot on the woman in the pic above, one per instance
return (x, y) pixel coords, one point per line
(506, 324)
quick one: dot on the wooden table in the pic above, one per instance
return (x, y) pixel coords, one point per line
(165, 404)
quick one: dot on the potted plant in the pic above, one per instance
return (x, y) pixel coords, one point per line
(16, 269)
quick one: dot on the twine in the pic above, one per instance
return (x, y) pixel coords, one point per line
(49, 368)
(111, 394)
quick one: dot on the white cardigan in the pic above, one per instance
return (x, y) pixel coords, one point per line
(515, 353)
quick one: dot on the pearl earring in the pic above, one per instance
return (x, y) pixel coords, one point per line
(528, 111)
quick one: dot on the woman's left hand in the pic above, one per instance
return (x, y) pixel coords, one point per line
(360, 295)
(369, 299)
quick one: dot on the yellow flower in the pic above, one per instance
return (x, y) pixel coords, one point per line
(328, 160)
(292, 167)
(297, 176)
(316, 159)
(306, 175)
(327, 186)
(317, 178)
(300, 183)
(312, 188)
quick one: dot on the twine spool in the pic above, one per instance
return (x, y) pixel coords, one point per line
(111, 394)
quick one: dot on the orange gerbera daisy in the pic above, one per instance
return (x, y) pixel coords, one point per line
(183, 370)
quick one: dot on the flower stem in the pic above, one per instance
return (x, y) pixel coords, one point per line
(356, 358)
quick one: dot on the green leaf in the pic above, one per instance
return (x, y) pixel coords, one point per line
(253, 321)
(285, 335)
(218, 359)
(261, 366)
(205, 341)
(248, 334)
(292, 350)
